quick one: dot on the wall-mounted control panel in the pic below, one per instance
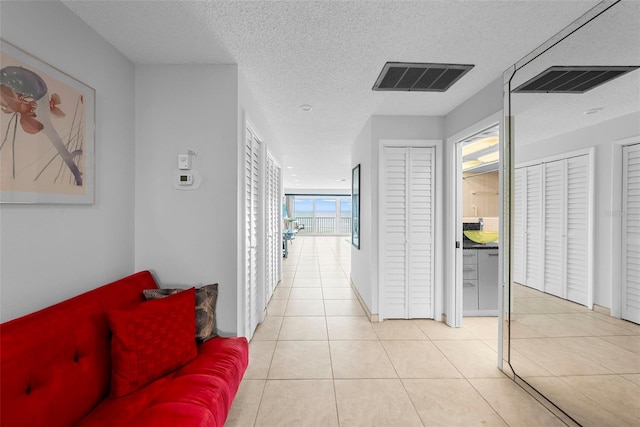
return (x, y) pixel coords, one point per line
(185, 179)
(184, 161)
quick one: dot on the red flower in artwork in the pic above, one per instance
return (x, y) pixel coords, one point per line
(19, 104)
(53, 105)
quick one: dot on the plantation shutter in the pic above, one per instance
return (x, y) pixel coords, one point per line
(395, 232)
(252, 186)
(273, 252)
(577, 228)
(554, 228)
(519, 226)
(631, 234)
(533, 240)
(407, 244)
(420, 241)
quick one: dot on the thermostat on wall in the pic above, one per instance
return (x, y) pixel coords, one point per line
(185, 179)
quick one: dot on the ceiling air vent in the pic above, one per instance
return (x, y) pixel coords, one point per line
(572, 79)
(419, 77)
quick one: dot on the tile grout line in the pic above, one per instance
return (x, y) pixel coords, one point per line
(277, 340)
(333, 376)
(486, 401)
(402, 382)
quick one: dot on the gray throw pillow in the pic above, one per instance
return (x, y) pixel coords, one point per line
(205, 309)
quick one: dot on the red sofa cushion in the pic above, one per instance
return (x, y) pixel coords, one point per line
(199, 394)
(150, 340)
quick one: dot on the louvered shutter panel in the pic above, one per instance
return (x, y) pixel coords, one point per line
(273, 229)
(533, 240)
(254, 232)
(420, 231)
(554, 228)
(274, 254)
(577, 218)
(395, 229)
(278, 220)
(270, 268)
(631, 234)
(248, 173)
(252, 183)
(518, 226)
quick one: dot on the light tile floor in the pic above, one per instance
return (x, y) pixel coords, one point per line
(316, 360)
(586, 361)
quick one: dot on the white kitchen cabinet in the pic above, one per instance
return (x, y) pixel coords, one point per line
(480, 282)
(469, 280)
(488, 279)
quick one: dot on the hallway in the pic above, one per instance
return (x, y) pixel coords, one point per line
(316, 360)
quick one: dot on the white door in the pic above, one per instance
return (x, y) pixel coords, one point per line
(269, 265)
(533, 227)
(252, 198)
(552, 255)
(420, 233)
(272, 241)
(631, 233)
(554, 228)
(519, 230)
(577, 229)
(407, 232)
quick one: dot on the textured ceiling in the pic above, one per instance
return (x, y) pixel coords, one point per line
(612, 38)
(328, 54)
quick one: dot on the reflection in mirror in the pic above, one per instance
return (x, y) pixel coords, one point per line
(575, 295)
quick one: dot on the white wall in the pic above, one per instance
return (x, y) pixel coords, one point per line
(484, 103)
(361, 259)
(600, 136)
(195, 237)
(189, 237)
(51, 253)
(365, 150)
(249, 109)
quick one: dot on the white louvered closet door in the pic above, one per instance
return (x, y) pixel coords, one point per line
(407, 232)
(577, 229)
(420, 233)
(277, 244)
(269, 232)
(394, 251)
(554, 228)
(273, 230)
(631, 233)
(533, 234)
(519, 226)
(252, 187)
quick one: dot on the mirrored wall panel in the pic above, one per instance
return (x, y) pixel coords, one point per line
(574, 332)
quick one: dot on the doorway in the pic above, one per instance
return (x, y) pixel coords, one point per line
(474, 285)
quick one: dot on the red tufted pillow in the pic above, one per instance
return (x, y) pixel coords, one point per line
(150, 340)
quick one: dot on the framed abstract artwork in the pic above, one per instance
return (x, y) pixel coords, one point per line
(355, 207)
(47, 126)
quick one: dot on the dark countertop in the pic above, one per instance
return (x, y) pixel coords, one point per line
(472, 245)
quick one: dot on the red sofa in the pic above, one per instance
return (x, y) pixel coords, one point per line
(56, 368)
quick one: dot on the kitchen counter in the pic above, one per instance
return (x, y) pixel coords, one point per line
(472, 245)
